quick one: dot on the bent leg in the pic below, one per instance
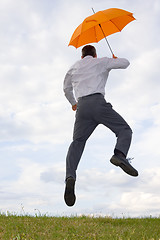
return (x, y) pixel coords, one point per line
(118, 125)
(124, 138)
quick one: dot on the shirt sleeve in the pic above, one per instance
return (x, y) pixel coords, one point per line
(68, 89)
(117, 63)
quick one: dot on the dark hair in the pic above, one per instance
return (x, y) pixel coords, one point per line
(88, 50)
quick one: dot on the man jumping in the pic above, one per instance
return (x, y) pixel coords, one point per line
(84, 87)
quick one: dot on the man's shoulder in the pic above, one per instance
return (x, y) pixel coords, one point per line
(102, 60)
(75, 64)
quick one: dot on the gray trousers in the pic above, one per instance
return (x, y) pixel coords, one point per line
(93, 110)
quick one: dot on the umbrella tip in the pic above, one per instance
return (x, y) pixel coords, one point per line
(93, 10)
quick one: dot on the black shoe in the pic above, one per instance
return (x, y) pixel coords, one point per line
(69, 195)
(124, 164)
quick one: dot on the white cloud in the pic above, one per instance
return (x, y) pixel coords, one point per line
(121, 194)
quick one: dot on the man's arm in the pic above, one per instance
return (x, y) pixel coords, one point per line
(68, 90)
(117, 63)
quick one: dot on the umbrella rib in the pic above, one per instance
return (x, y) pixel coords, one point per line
(95, 34)
(115, 25)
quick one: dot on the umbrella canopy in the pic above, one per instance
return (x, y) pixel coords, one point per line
(99, 25)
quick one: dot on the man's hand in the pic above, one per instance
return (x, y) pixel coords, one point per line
(74, 107)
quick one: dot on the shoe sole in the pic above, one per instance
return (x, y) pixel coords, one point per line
(126, 167)
(69, 195)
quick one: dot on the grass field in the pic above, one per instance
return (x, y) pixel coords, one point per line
(72, 228)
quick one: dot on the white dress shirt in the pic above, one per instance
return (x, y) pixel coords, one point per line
(89, 75)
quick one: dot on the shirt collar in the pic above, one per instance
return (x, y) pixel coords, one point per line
(88, 56)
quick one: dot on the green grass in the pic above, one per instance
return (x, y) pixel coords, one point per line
(71, 228)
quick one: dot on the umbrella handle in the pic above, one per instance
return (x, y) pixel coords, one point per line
(114, 56)
(105, 38)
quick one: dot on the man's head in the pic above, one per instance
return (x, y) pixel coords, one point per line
(89, 50)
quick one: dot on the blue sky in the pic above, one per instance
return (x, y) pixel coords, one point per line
(36, 121)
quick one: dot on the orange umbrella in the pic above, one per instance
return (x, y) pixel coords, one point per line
(99, 25)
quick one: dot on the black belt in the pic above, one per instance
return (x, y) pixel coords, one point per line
(90, 95)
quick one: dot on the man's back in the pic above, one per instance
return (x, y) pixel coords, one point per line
(89, 75)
